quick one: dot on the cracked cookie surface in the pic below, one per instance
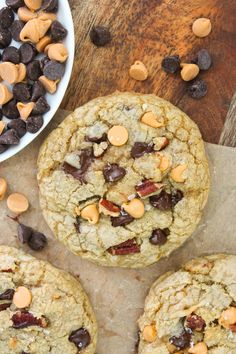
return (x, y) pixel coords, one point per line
(124, 179)
(42, 309)
(192, 310)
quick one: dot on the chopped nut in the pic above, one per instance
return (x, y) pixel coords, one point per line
(151, 119)
(108, 208)
(177, 173)
(149, 333)
(147, 188)
(99, 149)
(90, 213)
(164, 164)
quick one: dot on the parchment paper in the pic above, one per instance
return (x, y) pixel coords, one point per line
(117, 295)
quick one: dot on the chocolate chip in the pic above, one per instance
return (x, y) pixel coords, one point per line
(95, 139)
(11, 54)
(197, 89)
(86, 158)
(80, 337)
(53, 70)
(203, 59)
(3, 307)
(27, 52)
(5, 38)
(3, 148)
(43, 62)
(49, 5)
(159, 237)
(139, 149)
(10, 110)
(58, 32)
(10, 137)
(122, 220)
(100, 35)
(24, 233)
(77, 224)
(171, 64)
(6, 17)
(33, 70)
(23, 319)
(182, 341)
(16, 29)
(124, 248)
(21, 92)
(15, 4)
(195, 322)
(37, 241)
(0, 114)
(113, 172)
(18, 125)
(41, 106)
(7, 294)
(176, 196)
(34, 123)
(161, 201)
(38, 91)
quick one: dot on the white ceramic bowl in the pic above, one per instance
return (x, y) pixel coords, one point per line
(65, 17)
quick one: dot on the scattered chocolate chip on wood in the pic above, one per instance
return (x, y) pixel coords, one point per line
(34, 239)
(171, 64)
(197, 89)
(203, 59)
(100, 35)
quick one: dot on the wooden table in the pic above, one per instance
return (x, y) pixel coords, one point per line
(147, 30)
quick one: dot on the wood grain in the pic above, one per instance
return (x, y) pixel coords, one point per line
(228, 134)
(148, 30)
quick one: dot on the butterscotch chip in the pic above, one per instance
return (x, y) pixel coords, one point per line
(34, 30)
(149, 333)
(2, 126)
(17, 203)
(25, 109)
(118, 135)
(189, 71)
(201, 27)
(47, 16)
(22, 297)
(9, 72)
(138, 71)
(25, 14)
(90, 213)
(3, 187)
(43, 43)
(49, 85)
(151, 119)
(135, 208)
(21, 72)
(57, 52)
(177, 173)
(33, 4)
(5, 94)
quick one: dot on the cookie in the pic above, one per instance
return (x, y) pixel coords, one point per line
(192, 310)
(124, 179)
(42, 309)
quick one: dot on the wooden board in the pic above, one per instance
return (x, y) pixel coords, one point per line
(148, 30)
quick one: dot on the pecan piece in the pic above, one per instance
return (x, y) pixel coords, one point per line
(195, 322)
(22, 319)
(4, 306)
(108, 208)
(124, 248)
(146, 188)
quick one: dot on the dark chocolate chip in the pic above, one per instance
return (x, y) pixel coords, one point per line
(124, 248)
(43, 62)
(21, 92)
(15, 4)
(182, 341)
(37, 241)
(38, 91)
(10, 110)
(11, 54)
(6, 17)
(5, 38)
(53, 70)
(10, 137)
(100, 35)
(96, 139)
(3, 148)
(159, 237)
(0, 114)
(27, 52)
(139, 149)
(16, 29)
(203, 59)
(171, 64)
(57, 32)
(161, 201)
(195, 322)
(33, 70)
(176, 196)
(34, 123)
(122, 220)
(197, 89)
(50, 5)
(80, 337)
(113, 172)
(7, 294)
(86, 158)
(41, 106)
(18, 125)
(24, 233)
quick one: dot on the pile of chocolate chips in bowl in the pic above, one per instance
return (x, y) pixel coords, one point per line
(31, 69)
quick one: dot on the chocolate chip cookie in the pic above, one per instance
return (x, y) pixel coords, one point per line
(42, 309)
(124, 179)
(192, 310)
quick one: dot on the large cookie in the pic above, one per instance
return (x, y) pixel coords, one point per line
(43, 310)
(192, 310)
(123, 180)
